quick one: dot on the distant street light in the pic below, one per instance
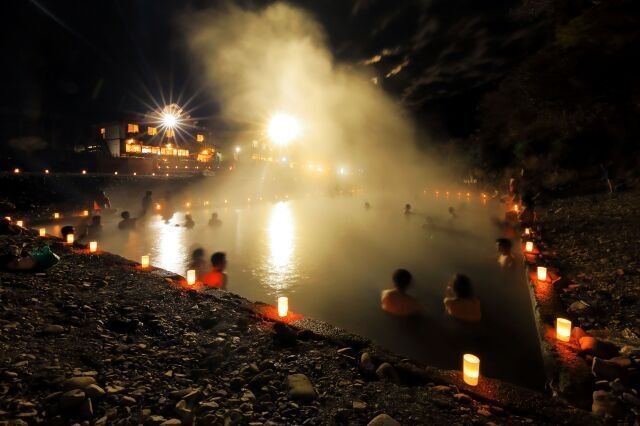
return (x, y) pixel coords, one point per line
(283, 128)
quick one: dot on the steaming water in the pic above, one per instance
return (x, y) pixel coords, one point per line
(332, 258)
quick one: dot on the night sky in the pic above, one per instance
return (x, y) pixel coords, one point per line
(86, 61)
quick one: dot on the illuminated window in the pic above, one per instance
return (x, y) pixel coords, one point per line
(152, 131)
(155, 150)
(146, 149)
(183, 152)
(132, 128)
(199, 137)
(103, 132)
(170, 133)
(133, 148)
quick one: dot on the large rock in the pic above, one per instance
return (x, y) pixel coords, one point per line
(383, 420)
(367, 367)
(94, 391)
(71, 399)
(387, 373)
(605, 404)
(592, 346)
(300, 388)
(78, 382)
(607, 370)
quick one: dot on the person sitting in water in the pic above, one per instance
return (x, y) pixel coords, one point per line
(216, 277)
(94, 230)
(395, 300)
(189, 223)
(198, 264)
(459, 301)
(127, 221)
(506, 259)
(452, 213)
(367, 206)
(214, 221)
(407, 208)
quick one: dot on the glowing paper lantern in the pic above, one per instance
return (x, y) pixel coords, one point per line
(515, 208)
(84, 172)
(470, 369)
(144, 261)
(8, 218)
(528, 246)
(70, 238)
(527, 231)
(283, 306)
(20, 223)
(93, 246)
(191, 276)
(43, 232)
(56, 215)
(542, 273)
(85, 213)
(563, 329)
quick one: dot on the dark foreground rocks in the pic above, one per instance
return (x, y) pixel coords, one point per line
(96, 341)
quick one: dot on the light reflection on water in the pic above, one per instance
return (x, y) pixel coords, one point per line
(280, 264)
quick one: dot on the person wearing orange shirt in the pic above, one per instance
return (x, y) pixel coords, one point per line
(216, 277)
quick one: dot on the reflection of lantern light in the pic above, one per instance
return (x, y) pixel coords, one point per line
(70, 238)
(528, 246)
(283, 306)
(527, 231)
(43, 232)
(542, 273)
(85, 213)
(191, 276)
(144, 261)
(470, 369)
(20, 223)
(93, 246)
(563, 329)
(158, 206)
(84, 172)
(515, 208)
(56, 215)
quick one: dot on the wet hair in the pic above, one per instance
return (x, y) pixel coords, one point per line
(461, 286)
(401, 279)
(198, 253)
(66, 230)
(504, 244)
(125, 215)
(218, 258)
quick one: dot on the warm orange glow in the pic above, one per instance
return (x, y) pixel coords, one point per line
(528, 246)
(84, 172)
(199, 137)
(470, 369)
(46, 171)
(93, 246)
(70, 238)
(20, 223)
(43, 232)
(56, 215)
(158, 207)
(152, 131)
(85, 213)
(516, 208)
(16, 170)
(527, 231)
(283, 306)
(191, 277)
(132, 128)
(8, 218)
(563, 329)
(542, 273)
(144, 261)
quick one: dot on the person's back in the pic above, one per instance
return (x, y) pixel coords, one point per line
(460, 302)
(127, 221)
(216, 278)
(395, 300)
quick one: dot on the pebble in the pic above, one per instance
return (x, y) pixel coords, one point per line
(71, 399)
(78, 382)
(383, 420)
(387, 373)
(605, 403)
(53, 330)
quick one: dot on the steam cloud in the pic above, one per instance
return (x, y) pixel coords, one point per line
(260, 62)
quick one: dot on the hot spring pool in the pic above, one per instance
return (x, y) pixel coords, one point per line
(332, 257)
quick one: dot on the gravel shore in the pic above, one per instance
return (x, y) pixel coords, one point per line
(97, 340)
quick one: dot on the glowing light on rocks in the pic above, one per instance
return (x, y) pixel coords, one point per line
(563, 329)
(470, 369)
(283, 306)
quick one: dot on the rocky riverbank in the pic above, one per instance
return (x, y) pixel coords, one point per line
(97, 340)
(587, 242)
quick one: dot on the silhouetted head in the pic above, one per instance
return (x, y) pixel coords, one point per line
(461, 286)
(188, 217)
(148, 193)
(125, 215)
(402, 279)
(504, 245)
(66, 230)
(198, 254)
(452, 210)
(96, 220)
(214, 215)
(219, 260)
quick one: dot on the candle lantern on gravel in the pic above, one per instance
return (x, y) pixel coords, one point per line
(191, 277)
(56, 215)
(542, 273)
(43, 232)
(144, 261)
(85, 213)
(70, 238)
(93, 246)
(20, 223)
(527, 231)
(470, 369)
(563, 329)
(283, 306)
(528, 246)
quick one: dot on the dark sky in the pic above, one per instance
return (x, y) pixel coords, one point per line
(91, 61)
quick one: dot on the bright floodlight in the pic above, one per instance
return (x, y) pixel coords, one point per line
(283, 128)
(169, 120)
